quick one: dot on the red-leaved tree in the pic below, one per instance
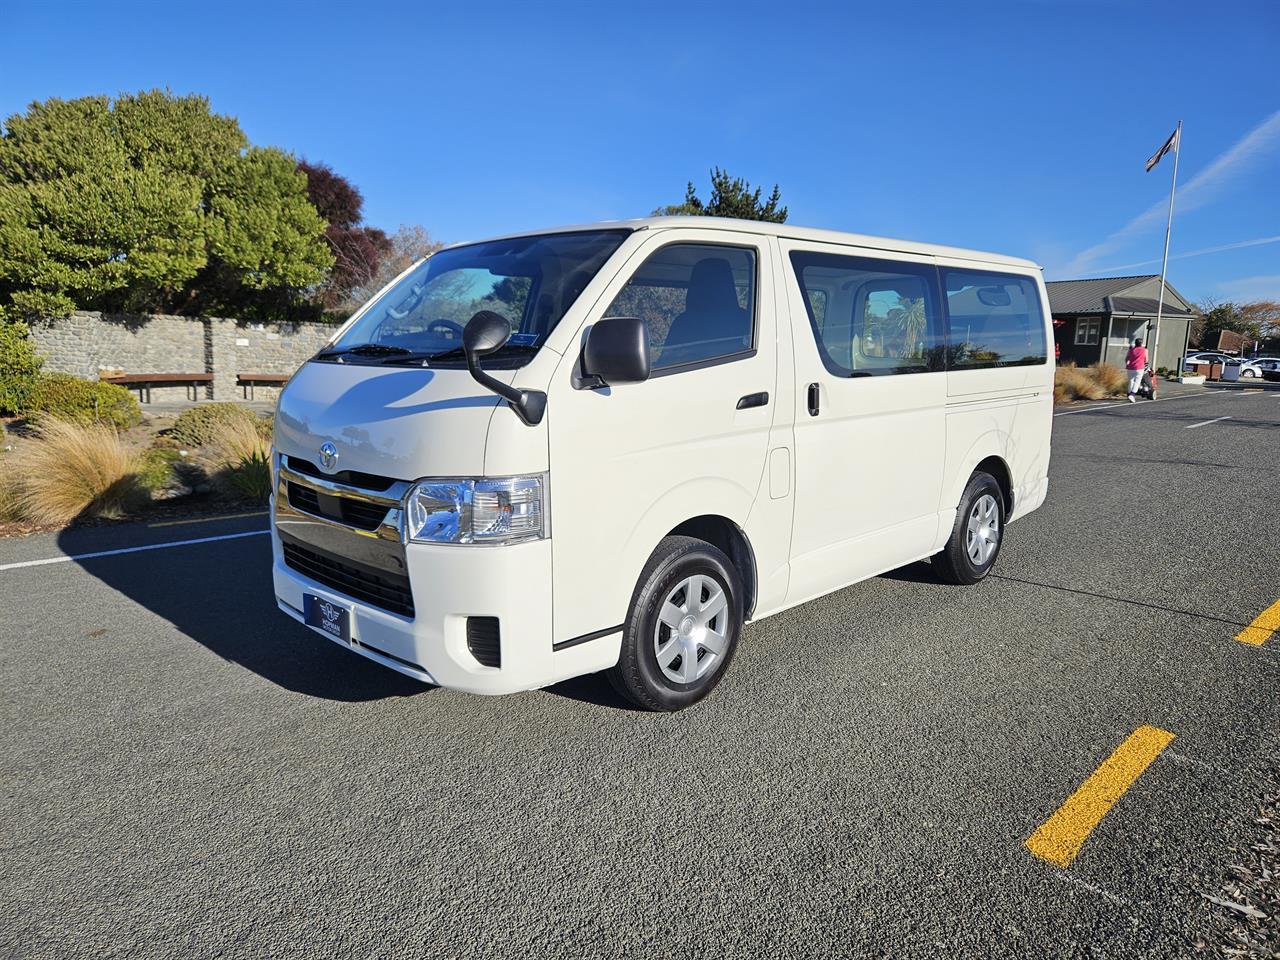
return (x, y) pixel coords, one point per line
(358, 250)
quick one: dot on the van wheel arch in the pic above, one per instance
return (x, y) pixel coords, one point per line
(1000, 471)
(726, 536)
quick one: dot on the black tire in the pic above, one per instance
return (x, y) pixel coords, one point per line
(638, 675)
(954, 564)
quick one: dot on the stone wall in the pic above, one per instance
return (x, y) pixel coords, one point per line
(88, 343)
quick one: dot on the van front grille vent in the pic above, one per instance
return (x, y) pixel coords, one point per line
(354, 513)
(484, 640)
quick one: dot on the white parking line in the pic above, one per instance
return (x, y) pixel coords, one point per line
(1137, 406)
(1205, 423)
(114, 553)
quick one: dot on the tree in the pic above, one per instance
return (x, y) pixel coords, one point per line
(405, 247)
(1263, 316)
(730, 197)
(149, 202)
(357, 250)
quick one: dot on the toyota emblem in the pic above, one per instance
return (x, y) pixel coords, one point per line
(328, 455)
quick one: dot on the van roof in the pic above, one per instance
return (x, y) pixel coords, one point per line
(785, 231)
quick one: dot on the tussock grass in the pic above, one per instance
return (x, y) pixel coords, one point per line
(1110, 377)
(10, 493)
(1088, 383)
(74, 470)
(244, 455)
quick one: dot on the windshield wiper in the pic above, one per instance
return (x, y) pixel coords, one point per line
(458, 353)
(365, 350)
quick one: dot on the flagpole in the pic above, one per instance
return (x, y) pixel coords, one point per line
(1164, 264)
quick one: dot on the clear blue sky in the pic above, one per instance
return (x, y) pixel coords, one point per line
(1019, 127)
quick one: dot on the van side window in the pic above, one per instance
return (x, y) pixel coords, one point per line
(871, 317)
(698, 301)
(993, 320)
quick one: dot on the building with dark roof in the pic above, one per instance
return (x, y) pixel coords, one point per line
(1097, 320)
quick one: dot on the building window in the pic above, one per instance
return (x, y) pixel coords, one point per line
(1087, 332)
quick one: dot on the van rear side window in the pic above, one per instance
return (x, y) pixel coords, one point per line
(698, 301)
(994, 320)
(871, 317)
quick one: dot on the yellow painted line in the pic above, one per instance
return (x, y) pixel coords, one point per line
(225, 516)
(1264, 624)
(1058, 840)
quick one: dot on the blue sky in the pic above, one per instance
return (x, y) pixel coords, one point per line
(1019, 127)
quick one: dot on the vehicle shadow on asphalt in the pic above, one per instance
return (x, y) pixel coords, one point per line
(593, 689)
(220, 595)
(919, 572)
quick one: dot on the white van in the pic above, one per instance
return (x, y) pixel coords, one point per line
(608, 447)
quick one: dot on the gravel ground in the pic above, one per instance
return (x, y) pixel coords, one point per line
(187, 772)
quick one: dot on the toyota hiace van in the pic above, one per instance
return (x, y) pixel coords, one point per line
(608, 447)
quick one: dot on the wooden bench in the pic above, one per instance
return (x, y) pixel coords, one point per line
(247, 381)
(143, 382)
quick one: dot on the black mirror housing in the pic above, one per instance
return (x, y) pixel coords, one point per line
(616, 351)
(485, 333)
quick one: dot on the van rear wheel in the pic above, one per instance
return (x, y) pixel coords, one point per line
(976, 535)
(682, 628)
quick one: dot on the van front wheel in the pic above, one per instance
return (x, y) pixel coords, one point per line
(683, 626)
(976, 536)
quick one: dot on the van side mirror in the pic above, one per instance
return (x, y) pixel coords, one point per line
(616, 351)
(483, 334)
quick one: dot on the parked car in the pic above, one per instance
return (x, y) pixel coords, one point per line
(1267, 368)
(1207, 356)
(1250, 369)
(607, 447)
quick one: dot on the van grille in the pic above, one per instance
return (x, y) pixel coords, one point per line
(352, 478)
(379, 588)
(483, 640)
(355, 513)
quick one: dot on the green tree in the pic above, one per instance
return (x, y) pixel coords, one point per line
(149, 202)
(730, 197)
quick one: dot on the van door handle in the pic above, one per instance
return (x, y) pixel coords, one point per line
(753, 400)
(813, 399)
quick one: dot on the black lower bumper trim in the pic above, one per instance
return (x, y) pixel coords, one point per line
(586, 638)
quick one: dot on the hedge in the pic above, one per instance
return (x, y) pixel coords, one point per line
(19, 366)
(201, 424)
(81, 401)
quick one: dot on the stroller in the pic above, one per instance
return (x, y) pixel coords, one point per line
(1147, 388)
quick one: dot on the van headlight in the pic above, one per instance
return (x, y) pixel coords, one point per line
(479, 510)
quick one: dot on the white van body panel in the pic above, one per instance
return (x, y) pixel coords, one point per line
(868, 466)
(870, 484)
(396, 422)
(660, 453)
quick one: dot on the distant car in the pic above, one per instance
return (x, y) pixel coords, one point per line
(1249, 369)
(1207, 356)
(1268, 368)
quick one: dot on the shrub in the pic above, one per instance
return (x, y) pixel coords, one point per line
(73, 470)
(203, 424)
(245, 458)
(155, 468)
(19, 366)
(76, 400)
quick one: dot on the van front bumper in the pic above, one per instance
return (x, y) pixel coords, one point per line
(449, 584)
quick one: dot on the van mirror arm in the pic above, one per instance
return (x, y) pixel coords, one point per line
(485, 333)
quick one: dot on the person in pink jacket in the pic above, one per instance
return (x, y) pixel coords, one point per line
(1135, 362)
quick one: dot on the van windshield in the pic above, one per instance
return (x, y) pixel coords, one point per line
(531, 281)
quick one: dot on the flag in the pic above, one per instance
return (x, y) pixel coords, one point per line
(1170, 144)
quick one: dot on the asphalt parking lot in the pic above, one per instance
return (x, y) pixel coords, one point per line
(187, 772)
